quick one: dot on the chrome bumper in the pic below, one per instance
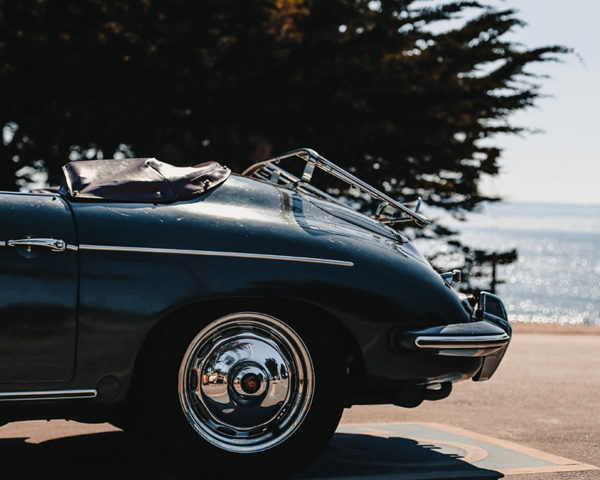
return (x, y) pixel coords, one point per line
(487, 336)
(458, 346)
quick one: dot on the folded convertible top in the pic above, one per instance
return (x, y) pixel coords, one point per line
(144, 180)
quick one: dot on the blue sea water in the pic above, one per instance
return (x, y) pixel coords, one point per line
(557, 276)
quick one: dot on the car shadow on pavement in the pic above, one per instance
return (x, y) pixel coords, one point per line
(92, 456)
(113, 455)
(352, 456)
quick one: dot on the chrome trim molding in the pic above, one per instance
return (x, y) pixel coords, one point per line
(462, 342)
(48, 395)
(212, 253)
(2, 244)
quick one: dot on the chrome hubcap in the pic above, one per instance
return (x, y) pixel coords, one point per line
(246, 382)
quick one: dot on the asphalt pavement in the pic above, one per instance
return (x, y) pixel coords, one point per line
(537, 418)
(545, 395)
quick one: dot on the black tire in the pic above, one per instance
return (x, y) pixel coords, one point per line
(243, 415)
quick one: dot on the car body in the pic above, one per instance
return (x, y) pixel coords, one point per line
(246, 303)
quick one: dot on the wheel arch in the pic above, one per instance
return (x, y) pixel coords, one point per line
(215, 308)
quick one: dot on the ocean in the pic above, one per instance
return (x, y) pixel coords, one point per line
(556, 278)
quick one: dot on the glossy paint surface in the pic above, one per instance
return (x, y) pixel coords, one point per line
(38, 291)
(124, 294)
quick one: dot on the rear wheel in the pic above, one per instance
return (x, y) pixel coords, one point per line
(248, 391)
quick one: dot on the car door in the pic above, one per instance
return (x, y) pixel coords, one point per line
(38, 289)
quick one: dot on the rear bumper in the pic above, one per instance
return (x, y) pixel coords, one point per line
(459, 341)
(487, 337)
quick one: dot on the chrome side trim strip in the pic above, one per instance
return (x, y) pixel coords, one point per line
(47, 395)
(211, 253)
(462, 342)
(2, 244)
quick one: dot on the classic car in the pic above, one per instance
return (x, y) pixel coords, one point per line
(226, 316)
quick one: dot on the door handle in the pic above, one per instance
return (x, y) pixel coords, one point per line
(51, 243)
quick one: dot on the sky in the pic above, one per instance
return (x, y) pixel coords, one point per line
(562, 164)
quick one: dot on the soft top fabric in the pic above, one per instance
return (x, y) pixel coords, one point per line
(144, 180)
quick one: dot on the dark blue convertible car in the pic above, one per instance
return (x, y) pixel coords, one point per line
(222, 316)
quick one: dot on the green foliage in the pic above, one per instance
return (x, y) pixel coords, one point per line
(375, 86)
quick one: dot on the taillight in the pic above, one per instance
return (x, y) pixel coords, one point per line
(471, 300)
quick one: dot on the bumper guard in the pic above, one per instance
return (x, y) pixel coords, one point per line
(487, 336)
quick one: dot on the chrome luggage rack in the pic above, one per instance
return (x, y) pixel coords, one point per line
(389, 211)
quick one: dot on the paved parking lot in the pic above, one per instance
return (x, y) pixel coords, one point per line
(538, 418)
(545, 395)
(402, 451)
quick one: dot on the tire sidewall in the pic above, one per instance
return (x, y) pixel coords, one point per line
(167, 426)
